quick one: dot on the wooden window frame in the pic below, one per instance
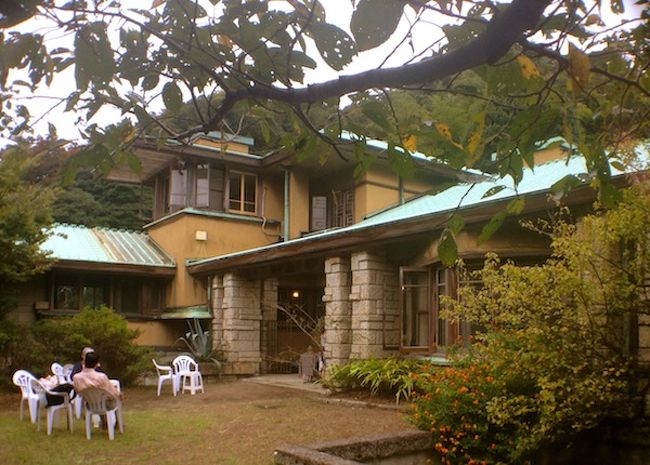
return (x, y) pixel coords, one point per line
(242, 187)
(414, 349)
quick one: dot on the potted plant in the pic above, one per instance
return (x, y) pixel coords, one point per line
(199, 343)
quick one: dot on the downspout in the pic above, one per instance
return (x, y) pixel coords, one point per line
(287, 217)
(401, 189)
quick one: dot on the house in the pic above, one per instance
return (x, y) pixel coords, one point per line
(213, 196)
(237, 238)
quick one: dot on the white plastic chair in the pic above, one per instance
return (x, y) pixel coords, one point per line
(165, 373)
(67, 371)
(95, 401)
(59, 372)
(21, 379)
(188, 373)
(39, 390)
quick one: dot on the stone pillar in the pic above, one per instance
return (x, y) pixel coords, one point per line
(217, 312)
(241, 324)
(269, 316)
(338, 311)
(375, 306)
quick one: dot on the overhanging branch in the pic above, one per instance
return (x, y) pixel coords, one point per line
(501, 33)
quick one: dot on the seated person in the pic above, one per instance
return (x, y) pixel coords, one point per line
(80, 364)
(90, 377)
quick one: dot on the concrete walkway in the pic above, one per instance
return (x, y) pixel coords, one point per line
(291, 381)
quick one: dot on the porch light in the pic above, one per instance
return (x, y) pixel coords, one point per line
(295, 294)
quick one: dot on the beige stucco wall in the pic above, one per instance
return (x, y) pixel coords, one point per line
(177, 237)
(379, 188)
(232, 146)
(298, 203)
(154, 333)
(555, 153)
(510, 240)
(273, 198)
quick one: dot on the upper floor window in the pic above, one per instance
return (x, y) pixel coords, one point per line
(242, 193)
(177, 190)
(202, 185)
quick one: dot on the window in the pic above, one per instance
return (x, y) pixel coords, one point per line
(178, 190)
(202, 185)
(66, 297)
(415, 308)
(318, 213)
(94, 296)
(126, 296)
(242, 192)
(343, 209)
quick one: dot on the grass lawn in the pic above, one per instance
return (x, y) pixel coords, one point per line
(232, 423)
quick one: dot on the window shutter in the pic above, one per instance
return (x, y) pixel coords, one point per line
(216, 188)
(318, 213)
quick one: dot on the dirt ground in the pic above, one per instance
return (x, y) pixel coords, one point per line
(232, 423)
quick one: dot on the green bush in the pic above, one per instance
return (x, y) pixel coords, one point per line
(555, 356)
(102, 329)
(385, 376)
(507, 399)
(19, 349)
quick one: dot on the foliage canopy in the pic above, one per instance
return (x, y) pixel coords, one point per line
(556, 351)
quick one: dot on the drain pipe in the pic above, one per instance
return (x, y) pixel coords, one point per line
(287, 217)
(400, 181)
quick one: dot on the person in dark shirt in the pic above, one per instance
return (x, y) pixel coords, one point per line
(77, 367)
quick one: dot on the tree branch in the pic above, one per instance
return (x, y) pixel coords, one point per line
(501, 33)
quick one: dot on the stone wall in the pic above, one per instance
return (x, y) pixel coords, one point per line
(269, 313)
(242, 316)
(338, 311)
(217, 312)
(375, 306)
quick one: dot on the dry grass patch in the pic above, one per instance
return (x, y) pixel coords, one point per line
(234, 423)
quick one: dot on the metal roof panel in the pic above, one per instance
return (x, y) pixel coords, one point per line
(105, 245)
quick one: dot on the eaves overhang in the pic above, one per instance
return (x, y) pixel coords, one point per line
(370, 233)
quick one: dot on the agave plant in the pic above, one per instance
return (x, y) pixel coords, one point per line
(199, 343)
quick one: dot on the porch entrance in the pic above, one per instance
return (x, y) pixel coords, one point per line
(298, 324)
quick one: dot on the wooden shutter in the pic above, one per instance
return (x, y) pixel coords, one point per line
(318, 213)
(216, 188)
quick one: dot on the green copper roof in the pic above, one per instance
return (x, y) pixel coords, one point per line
(104, 245)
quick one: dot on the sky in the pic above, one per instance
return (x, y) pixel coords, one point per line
(338, 12)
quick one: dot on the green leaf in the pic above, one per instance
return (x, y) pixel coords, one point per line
(376, 112)
(564, 185)
(516, 206)
(447, 248)
(493, 226)
(172, 96)
(456, 223)
(374, 21)
(334, 44)
(492, 191)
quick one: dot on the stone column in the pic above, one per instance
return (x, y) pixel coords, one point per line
(269, 316)
(241, 324)
(338, 311)
(217, 312)
(375, 306)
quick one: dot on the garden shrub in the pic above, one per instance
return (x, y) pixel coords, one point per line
(19, 349)
(102, 329)
(555, 353)
(384, 376)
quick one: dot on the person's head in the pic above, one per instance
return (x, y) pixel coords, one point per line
(91, 360)
(86, 350)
